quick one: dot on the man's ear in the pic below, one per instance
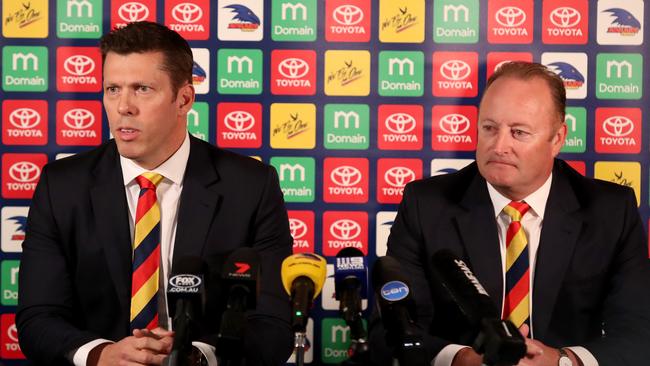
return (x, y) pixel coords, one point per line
(185, 98)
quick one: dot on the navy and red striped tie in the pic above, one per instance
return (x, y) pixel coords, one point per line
(146, 255)
(516, 303)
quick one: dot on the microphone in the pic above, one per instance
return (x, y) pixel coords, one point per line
(397, 310)
(185, 299)
(239, 280)
(498, 340)
(351, 285)
(303, 275)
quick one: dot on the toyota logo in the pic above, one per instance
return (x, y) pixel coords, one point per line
(618, 126)
(345, 176)
(79, 65)
(24, 118)
(78, 118)
(293, 68)
(133, 12)
(12, 332)
(187, 13)
(345, 229)
(455, 70)
(298, 228)
(24, 171)
(510, 16)
(239, 121)
(454, 124)
(348, 15)
(400, 123)
(398, 176)
(565, 17)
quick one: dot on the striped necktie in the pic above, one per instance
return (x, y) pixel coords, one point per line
(516, 303)
(146, 255)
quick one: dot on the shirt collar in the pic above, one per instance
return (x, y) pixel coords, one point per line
(172, 169)
(536, 200)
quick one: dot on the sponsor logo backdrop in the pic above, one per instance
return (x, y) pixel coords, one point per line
(348, 99)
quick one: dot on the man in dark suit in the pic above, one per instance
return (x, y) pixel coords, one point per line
(583, 290)
(76, 270)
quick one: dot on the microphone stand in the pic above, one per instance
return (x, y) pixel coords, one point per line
(299, 345)
(302, 293)
(350, 310)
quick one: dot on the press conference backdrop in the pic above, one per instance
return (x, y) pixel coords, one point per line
(348, 99)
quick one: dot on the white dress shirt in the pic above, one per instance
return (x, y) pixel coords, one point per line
(168, 193)
(531, 222)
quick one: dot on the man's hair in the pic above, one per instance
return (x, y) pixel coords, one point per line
(141, 37)
(528, 70)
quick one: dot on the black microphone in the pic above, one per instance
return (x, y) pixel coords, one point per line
(239, 280)
(498, 340)
(185, 299)
(397, 310)
(351, 286)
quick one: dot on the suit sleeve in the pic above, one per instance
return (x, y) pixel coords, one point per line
(406, 244)
(626, 307)
(269, 339)
(46, 322)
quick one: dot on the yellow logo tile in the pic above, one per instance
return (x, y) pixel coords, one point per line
(347, 73)
(624, 173)
(401, 21)
(25, 19)
(293, 126)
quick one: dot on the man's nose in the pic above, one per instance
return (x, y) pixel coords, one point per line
(502, 141)
(125, 104)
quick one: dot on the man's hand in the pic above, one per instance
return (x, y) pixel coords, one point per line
(539, 354)
(144, 347)
(467, 357)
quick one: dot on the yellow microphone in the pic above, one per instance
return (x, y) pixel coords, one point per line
(303, 276)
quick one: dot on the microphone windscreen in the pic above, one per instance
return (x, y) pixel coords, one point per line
(351, 265)
(457, 280)
(309, 265)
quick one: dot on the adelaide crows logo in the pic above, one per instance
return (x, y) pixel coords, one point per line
(572, 78)
(198, 74)
(243, 18)
(624, 22)
(21, 221)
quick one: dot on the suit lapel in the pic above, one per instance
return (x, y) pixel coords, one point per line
(559, 235)
(478, 231)
(198, 203)
(108, 200)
